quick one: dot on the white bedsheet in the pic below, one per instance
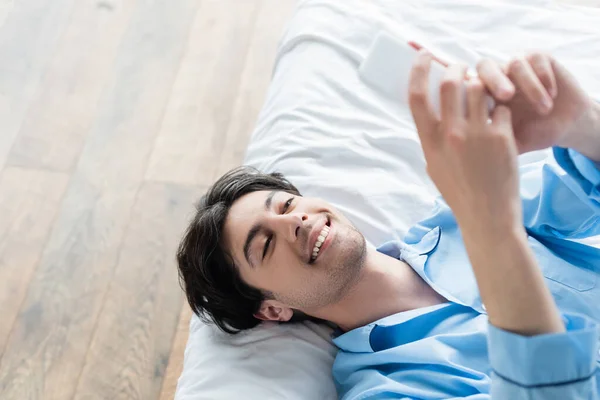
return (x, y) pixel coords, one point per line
(336, 138)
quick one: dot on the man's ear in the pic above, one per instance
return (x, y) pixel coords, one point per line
(272, 310)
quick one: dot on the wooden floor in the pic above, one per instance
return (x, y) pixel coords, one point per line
(114, 115)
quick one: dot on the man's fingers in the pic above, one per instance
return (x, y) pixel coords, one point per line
(477, 104)
(452, 96)
(418, 94)
(523, 76)
(543, 69)
(495, 80)
(501, 118)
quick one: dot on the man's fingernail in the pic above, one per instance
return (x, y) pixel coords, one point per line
(507, 90)
(546, 104)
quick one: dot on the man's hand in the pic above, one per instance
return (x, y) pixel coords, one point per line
(549, 107)
(472, 162)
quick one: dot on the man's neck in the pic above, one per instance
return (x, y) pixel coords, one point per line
(385, 287)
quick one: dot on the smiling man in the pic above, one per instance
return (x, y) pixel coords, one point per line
(411, 315)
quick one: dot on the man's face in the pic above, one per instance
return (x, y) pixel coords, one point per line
(273, 238)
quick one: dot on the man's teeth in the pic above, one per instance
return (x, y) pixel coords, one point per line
(320, 241)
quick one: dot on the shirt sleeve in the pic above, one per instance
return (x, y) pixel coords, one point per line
(549, 366)
(561, 197)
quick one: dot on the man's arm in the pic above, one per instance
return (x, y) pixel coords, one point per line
(506, 247)
(510, 283)
(473, 163)
(531, 356)
(556, 206)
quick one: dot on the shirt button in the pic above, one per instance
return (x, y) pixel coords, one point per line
(483, 307)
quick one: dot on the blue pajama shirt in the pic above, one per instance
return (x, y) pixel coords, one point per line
(450, 350)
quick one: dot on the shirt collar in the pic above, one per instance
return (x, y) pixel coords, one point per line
(427, 245)
(357, 340)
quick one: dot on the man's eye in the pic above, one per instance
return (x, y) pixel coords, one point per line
(287, 204)
(267, 243)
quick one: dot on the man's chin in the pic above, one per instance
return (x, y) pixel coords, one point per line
(350, 261)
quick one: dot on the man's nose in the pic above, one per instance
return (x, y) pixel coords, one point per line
(289, 225)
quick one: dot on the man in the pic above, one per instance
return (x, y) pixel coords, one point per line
(491, 295)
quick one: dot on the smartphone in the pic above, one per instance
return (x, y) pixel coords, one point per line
(387, 67)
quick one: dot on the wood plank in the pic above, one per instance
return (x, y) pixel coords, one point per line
(63, 110)
(175, 366)
(29, 202)
(47, 347)
(132, 342)
(27, 39)
(254, 83)
(200, 107)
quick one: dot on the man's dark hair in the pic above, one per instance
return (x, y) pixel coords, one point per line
(208, 275)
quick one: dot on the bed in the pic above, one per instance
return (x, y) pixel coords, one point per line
(337, 138)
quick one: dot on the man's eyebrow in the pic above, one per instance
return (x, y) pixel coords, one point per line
(269, 200)
(256, 228)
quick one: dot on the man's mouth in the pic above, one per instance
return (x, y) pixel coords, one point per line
(318, 244)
